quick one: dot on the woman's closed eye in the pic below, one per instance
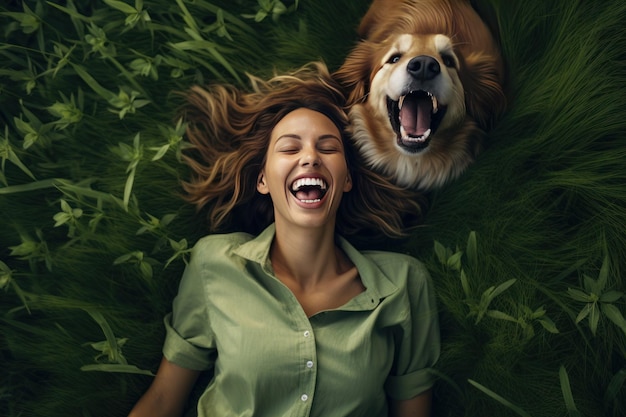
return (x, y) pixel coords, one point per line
(288, 149)
(329, 149)
(288, 145)
(330, 145)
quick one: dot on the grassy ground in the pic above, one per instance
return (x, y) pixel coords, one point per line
(527, 249)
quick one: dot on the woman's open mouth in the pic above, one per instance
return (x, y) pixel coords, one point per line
(309, 190)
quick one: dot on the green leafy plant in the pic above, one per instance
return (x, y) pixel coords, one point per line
(526, 318)
(477, 307)
(33, 251)
(133, 155)
(598, 300)
(480, 308)
(145, 66)
(273, 8)
(134, 15)
(126, 102)
(33, 130)
(174, 136)
(68, 216)
(181, 250)
(138, 258)
(154, 224)
(7, 153)
(7, 280)
(69, 111)
(110, 358)
(30, 21)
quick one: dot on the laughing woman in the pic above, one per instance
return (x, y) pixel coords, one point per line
(288, 316)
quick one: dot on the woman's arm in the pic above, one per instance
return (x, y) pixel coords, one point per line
(415, 407)
(168, 392)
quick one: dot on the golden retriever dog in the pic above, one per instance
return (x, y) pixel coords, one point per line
(423, 84)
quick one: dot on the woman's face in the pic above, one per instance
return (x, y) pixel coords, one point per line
(305, 172)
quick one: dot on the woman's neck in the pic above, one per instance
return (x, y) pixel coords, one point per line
(307, 256)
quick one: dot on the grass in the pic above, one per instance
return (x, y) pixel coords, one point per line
(527, 249)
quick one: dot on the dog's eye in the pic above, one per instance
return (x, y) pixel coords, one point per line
(394, 58)
(448, 61)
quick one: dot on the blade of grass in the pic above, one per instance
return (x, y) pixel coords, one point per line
(201, 45)
(67, 187)
(31, 186)
(568, 397)
(127, 369)
(72, 13)
(614, 387)
(91, 82)
(499, 399)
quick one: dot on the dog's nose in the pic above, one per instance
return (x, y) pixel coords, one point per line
(423, 67)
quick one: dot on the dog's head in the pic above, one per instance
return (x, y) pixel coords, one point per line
(423, 86)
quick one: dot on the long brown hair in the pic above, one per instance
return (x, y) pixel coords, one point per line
(230, 131)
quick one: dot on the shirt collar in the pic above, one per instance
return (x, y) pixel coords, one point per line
(377, 285)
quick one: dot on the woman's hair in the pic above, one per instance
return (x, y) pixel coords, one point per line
(230, 132)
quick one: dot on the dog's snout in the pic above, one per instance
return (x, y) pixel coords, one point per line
(423, 67)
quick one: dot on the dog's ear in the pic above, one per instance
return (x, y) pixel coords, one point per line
(372, 25)
(482, 68)
(484, 92)
(355, 72)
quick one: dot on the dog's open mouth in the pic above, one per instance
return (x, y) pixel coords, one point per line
(415, 117)
(309, 190)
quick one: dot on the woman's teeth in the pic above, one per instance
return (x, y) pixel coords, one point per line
(309, 190)
(311, 182)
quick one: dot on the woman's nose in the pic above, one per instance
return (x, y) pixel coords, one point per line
(310, 157)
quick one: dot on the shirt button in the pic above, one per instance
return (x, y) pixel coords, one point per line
(304, 397)
(307, 333)
(309, 364)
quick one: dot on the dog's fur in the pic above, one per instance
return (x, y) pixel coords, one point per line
(431, 48)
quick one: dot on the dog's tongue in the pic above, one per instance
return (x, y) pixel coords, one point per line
(415, 114)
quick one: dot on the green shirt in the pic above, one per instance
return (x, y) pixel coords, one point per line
(270, 360)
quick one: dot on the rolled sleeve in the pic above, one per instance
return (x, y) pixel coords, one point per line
(408, 386)
(180, 351)
(189, 339)
(419, 347)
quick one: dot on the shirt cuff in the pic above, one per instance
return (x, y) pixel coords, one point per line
(404, 387)
(179, 351)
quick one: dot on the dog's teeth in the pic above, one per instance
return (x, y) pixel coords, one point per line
(417, 139)
(401, 101)
(435, 104)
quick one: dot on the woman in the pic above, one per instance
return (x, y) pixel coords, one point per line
(289, 316)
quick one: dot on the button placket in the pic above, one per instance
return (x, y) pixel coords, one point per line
(309, 366)
(309, 363)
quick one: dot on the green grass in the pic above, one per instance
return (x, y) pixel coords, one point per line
(527, 249)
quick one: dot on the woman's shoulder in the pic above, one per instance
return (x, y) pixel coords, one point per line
(392, 264)
(396, 266)
(406, 273)
(388, 258)
(221, 242)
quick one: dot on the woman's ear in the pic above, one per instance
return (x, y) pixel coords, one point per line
(261, 186)
(348, 185)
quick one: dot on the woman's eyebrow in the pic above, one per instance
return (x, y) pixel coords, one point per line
(296, 136)
(330, 136)
(288, 136)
